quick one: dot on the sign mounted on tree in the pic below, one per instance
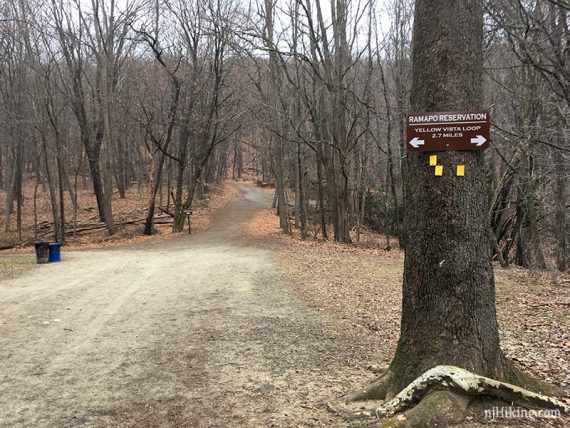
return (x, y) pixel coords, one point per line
(441, 131)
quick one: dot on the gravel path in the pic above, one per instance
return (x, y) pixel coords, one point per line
(200, 331)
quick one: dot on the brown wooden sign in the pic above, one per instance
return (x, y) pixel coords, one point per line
(441, 131)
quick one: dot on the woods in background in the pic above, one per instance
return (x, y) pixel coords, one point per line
(170, 95)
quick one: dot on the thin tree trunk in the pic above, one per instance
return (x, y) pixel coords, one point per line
(278, 172)
(321, 196)
(19, 191)
(52, 192)
(61, 189)
(301, 189)
(560, 220)
(9, 200)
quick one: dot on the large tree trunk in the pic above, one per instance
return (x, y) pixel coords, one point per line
(448, 311)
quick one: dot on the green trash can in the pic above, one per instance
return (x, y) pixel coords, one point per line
(42, 252)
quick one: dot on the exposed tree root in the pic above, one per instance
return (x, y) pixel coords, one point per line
(470, 384)
(375, 391)
(444, 392)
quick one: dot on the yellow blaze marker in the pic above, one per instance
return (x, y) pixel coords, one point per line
(439, 170)
(460, 170)
(433, 160)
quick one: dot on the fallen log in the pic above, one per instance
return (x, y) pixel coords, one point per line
(82, 227)
(165, 211)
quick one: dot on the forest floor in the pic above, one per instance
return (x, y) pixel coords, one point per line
(236, 325)
(360, 285)
(84, 230)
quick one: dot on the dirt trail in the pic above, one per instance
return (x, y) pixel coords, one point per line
(200, 331)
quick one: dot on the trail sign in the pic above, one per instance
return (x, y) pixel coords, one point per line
(441, 131)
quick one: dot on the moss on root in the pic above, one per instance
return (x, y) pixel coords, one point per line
(390, 423)
(436, 409)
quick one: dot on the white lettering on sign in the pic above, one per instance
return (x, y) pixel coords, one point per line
(459, 130)
(448, 118)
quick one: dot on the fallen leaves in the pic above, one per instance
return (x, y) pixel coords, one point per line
(534, 321)
(362, 286)
(133, 206)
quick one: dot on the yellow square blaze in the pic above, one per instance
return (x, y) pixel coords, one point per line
(433, 160)
(439, 170)
(460, 170)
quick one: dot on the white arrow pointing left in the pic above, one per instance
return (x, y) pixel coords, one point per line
(416, 142)
(479, 140)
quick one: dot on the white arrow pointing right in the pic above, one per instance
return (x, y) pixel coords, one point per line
(479, 140)
(416, 142)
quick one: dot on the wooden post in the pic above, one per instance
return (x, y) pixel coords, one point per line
(188, 213)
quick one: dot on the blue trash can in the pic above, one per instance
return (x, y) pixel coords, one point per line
(54, 252)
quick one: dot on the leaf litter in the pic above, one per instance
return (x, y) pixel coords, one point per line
(362, 287)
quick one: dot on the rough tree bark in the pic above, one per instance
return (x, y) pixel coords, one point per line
(448, 306)
(448, 310)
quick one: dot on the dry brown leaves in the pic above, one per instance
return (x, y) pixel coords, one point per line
(203, 209)
(363, 287)
(534, 320)
(132, 207)
(342, 279)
